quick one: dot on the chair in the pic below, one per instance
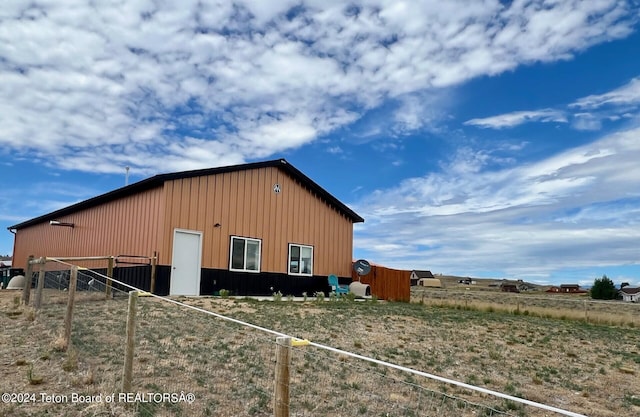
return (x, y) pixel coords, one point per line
(336, 287)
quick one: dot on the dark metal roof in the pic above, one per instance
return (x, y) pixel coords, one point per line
(423, 274)
(160, 179)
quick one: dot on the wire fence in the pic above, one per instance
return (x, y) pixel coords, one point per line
(220, 367)
(152, 356)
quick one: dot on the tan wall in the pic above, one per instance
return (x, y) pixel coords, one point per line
(294, 215)
(128, 226)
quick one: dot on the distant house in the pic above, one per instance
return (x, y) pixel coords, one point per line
(509, 287)
(417, 275)
(571, 289)
(566, 289)
(630, 295)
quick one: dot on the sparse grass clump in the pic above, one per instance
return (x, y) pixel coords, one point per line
(33, 379)
(71, 361)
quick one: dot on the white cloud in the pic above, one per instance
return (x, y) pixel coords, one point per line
(562, 212)
(519, 117)
(585, 113)
(198, 84)
(586, 121)
(628, 94)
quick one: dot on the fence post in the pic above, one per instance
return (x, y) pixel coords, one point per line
(72, 294)
(109, 275)
(154, 262)
(41, 277)
(586, 312)
(27, 282)
(128, 354)
(281, 396)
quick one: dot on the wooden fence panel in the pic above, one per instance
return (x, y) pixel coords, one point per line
(386, 283)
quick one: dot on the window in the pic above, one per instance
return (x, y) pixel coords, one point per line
(245, 254)
(300, 259)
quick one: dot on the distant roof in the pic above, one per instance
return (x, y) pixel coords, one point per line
(423, 274)
(158, 180)
(630, 291)
(4, 264)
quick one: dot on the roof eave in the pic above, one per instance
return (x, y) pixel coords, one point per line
(160, 179)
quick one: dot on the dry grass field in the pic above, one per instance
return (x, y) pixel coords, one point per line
(578, 307)
(565, 362)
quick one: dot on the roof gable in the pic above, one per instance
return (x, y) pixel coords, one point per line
(160, 179)
(423, 274)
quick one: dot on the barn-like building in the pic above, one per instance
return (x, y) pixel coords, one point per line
(252, 229)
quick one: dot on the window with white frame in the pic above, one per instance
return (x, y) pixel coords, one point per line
(245, 254)
(300, 259)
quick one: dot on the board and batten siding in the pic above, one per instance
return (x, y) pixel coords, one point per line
(126, 226)
(244, 204)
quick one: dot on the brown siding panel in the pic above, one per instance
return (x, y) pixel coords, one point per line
(294, 215)
(114, 228)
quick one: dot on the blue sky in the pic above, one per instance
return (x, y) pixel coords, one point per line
(479, 138)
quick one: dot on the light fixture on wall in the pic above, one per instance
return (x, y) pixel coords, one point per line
(58, 223)
(217, 225)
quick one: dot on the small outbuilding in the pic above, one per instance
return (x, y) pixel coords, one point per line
(430, 282)
(417, 275)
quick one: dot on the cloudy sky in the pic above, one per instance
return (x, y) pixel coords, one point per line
(482, 138)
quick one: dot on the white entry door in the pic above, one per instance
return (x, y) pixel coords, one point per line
(185, 264)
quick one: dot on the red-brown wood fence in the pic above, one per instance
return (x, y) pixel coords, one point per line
(386, 283)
